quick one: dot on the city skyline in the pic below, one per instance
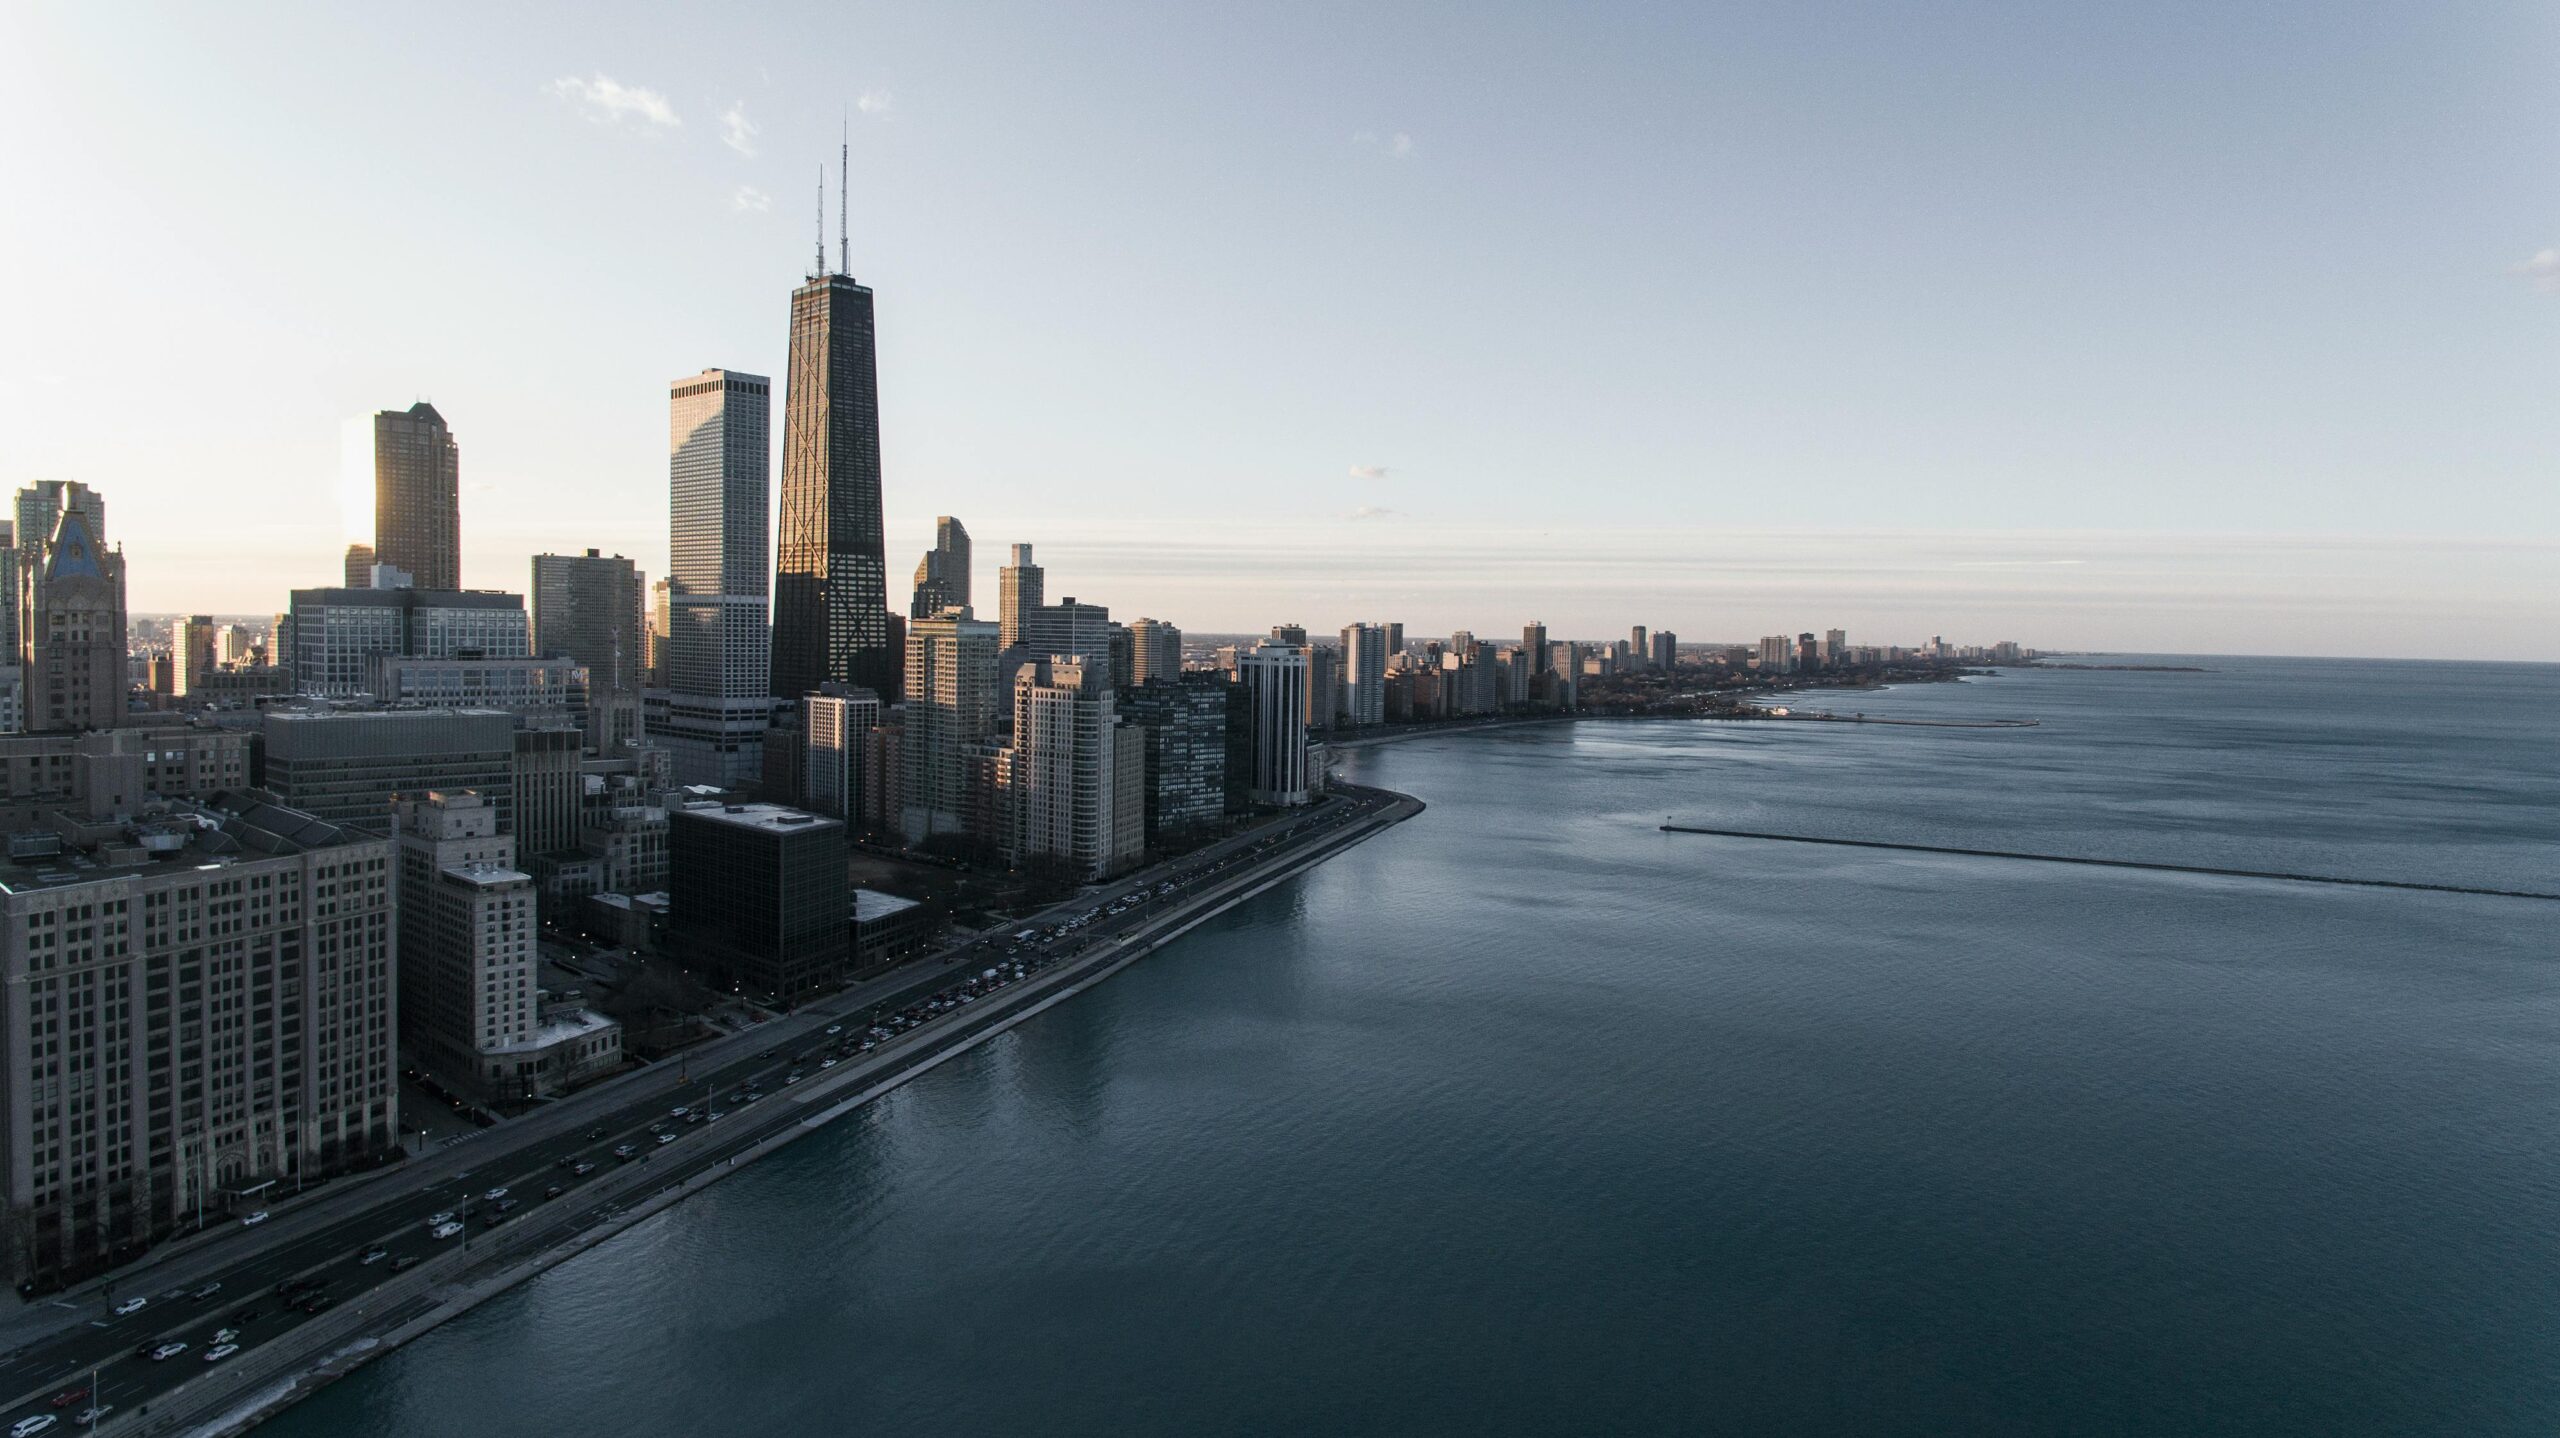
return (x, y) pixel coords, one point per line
(2246, 490)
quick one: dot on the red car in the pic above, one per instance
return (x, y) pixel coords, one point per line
(69, 1396)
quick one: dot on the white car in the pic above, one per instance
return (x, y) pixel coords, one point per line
(220, 1351)
(132, 1306)
(167, 1351)
(88, 1417)
(494, 1194)
(438, 1220)
(252, 1220)
(446, 1229)
(29, 1427)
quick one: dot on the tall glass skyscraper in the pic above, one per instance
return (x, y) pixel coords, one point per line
(716, 703)
(830, 587)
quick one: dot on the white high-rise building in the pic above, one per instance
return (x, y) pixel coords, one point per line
(194, 651)
(1364, 674)
(1275, 676)
(716, 701)
(836, 728)
(471, 1005)
(459, 995)
(951, 705)
(1066, 630)
(1019, 591)
(1063, 793)
(1155, 652)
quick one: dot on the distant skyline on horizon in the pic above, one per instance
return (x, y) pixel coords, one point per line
(2181, 332)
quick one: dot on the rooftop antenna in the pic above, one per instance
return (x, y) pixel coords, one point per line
(844, 185)
(822, 222)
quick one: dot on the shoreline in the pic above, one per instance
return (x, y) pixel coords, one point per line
(239, 1396)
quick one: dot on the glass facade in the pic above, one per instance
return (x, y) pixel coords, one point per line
(830, 587)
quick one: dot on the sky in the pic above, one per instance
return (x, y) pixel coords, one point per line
(2222, 328)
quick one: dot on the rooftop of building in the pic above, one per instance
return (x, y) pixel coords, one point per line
(486, 875)
(870, 905)
(558, 1027)
(334, 712)
(233, 827)
(403, 596)
(767, 818)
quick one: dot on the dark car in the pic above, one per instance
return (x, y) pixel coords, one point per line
(315, 1303)
(404, 1263)
(244, 1317)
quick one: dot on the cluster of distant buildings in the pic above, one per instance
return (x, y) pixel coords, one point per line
(250, 870)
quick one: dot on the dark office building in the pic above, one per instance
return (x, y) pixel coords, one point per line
(546, 790)
(347, 768)
(1236, 783)
(758, 895)
(1186, 734)
(830, 584)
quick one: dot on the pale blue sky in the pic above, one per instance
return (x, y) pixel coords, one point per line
(2188, 327)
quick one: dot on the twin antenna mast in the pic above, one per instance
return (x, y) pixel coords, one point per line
(844, 186)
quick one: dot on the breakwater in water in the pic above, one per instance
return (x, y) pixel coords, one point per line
(2025, 856)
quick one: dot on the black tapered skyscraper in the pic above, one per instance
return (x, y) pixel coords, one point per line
(830, 582)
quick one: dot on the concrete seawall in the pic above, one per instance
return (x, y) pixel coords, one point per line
(236, 1398)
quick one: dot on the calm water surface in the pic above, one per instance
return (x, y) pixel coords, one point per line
(1529, 1118)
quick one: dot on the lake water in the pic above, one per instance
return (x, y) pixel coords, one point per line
(1527, 1117)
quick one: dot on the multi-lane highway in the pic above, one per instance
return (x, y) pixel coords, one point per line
(254, 1294)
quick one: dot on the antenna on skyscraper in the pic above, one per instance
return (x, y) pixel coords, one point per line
(844, 186)
(822, 221)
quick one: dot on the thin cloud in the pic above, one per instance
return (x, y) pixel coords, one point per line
(874, 102)
(750, 200)
(737, 131)
(1398, 146)
(1368, 471)
(2543, 270)
(608, 101)
(1373, 511)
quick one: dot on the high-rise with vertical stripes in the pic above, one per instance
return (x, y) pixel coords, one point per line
(830, 582)
(417, 496)
(716, 703)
